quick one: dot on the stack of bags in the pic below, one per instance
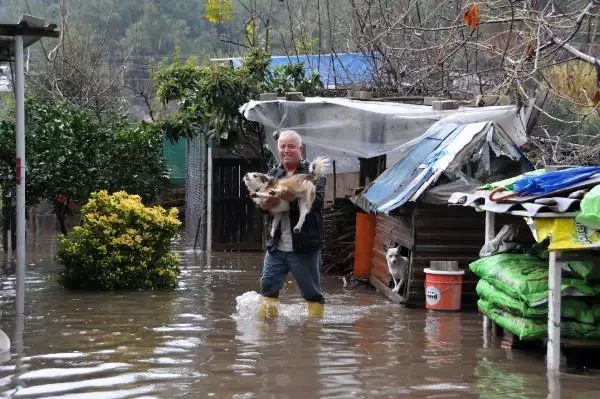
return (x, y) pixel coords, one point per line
(513, 292)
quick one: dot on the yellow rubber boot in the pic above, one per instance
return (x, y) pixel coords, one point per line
(268, 308)
(316, 309)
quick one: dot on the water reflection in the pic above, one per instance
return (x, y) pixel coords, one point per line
(197, 341)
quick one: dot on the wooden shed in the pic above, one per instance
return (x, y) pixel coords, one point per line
(410, 198)
(430, 233)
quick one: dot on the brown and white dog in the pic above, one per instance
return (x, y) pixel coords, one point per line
(302, 186)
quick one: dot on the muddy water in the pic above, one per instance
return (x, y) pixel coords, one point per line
(202, 340)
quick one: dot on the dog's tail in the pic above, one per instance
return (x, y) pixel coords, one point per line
(319, 166)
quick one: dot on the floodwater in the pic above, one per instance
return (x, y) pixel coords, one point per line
(203, 341)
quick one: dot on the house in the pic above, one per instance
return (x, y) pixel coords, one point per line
(410, 201)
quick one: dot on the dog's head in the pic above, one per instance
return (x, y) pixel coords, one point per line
(254, 181)
(395, 253)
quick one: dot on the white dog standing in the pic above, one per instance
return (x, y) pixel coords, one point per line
(397, 266)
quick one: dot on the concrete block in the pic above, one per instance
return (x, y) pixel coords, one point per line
(429, 100)
(444, 105)
(268, 96)
(294, 96)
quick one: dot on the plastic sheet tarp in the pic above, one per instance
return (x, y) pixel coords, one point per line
(345, 129)
(552, 181)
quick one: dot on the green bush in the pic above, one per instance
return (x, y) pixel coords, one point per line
(121, 244)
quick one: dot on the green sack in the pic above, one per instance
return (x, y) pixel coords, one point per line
(525, 277)
(532, 329)
(586, 269)
(589, 216)
(579, 310)
(524, 329)
(571, 307)
(502, 300)
(573, 329)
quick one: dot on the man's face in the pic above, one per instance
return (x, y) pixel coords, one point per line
(289, 151)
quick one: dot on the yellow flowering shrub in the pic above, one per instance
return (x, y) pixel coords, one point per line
(121, 244)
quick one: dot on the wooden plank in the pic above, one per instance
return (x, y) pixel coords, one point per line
(386, 291)
(580, 343)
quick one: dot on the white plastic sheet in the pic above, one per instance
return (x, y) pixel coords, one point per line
(345, 129)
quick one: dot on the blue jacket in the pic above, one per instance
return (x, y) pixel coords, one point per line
(310, 237)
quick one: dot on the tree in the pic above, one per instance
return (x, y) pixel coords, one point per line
(210, 98)
(71, 154)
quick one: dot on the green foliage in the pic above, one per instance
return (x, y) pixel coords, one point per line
(292, 77)
(121, 244)
(210, 96)
(70, 154)
(218, 11)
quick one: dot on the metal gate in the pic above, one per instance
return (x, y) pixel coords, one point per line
(237, 222)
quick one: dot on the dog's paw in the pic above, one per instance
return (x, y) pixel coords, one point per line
(253, 195)
(296, 230)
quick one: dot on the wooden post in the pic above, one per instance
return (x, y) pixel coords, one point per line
(334, 182)
(209, 197)
(553, 350)
(553, 385)
(490, 232)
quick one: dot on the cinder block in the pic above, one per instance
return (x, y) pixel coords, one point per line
(268, 96)
(294, 96)
(430, 100)
(444, 105)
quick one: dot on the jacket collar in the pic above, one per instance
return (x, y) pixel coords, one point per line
(302, 168)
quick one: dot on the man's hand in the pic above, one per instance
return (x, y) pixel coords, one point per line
(269, 203)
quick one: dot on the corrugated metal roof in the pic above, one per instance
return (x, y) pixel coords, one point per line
(532, 207)
(341, 69)
(401, 180)
(419, 168)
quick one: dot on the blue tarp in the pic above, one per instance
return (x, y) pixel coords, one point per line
(553, 181)
(343, 68)
(397, 184)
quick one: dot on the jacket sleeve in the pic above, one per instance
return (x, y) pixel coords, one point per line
(320, 196)
(271, 172)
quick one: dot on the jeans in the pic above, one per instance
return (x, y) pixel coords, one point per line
(304, 267)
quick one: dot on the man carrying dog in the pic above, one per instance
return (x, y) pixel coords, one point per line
(298, 253)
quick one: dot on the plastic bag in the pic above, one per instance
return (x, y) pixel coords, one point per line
(589, 216)
(502, 242)
(525, 277)
(564, 233)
